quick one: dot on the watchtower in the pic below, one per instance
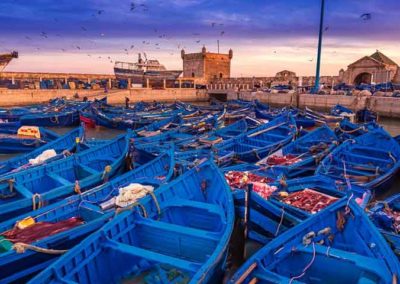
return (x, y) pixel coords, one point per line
(206, 66)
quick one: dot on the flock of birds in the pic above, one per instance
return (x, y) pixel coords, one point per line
(145, 44)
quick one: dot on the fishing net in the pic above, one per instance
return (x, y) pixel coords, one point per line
(40, 230)
(309, 200)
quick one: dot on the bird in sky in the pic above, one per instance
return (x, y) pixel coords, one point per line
(366, 16)
(222, 33)
(99, 12)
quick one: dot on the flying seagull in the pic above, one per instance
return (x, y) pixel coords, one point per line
(366, 16)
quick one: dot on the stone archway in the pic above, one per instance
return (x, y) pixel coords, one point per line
(363, 78)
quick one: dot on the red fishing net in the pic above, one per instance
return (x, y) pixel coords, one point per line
(309, 200)
(242, 179)
(282, 160)
(40, 230)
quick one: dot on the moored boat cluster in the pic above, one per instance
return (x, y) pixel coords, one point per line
(162, 202)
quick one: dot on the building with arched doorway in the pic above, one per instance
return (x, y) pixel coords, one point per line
(376, 68)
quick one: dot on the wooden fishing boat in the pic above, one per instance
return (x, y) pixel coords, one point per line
(273, 205)
(30, 189)
(157, 127)
(66, 115)
(349, 130)
(304, 197)
(337, 245)
(385, 216)
(181, 233)
(369, 161)
(341, 111)
(115, 121)
(62, 225)
(261, 141)
(262, 219)
(302, 156)
(24, 138)
(62, 146)
(321, 117)
(264, 111)
(366, 115)
(5, 123)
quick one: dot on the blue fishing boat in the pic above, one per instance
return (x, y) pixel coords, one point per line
(275, 205)
(61, 146)
(366, 115)
(262, 219)
(322, 118)
(348, 130)
(114, 121)
(24, 138)
(342, 111)
(33, 188)
(159, 126)
(385, 216)
(179, 234)
(4, 123)
(62, 225)
(302, 156)
(66, 116)
(259, 142)
(304, 197)
(369, 161)
(264, 111)
(337, 245)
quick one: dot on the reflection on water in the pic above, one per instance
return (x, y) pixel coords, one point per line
(392, 125)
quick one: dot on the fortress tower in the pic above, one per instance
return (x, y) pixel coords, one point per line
(205, 66)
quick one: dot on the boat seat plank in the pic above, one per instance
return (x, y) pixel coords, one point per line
(368, 158)
(371, 149)
(352, 171)
(88, 169)
(151, 256)
(196, 204)
(59, 178)
(23, 191)
(191, 232)
(367, 167)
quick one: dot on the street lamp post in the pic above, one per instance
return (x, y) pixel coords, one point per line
(321, 27)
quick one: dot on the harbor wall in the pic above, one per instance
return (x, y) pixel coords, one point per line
(10, 97)
(384, 106)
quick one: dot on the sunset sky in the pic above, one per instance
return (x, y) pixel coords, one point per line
(87, 36)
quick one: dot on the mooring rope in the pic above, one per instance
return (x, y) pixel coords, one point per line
(23, 247)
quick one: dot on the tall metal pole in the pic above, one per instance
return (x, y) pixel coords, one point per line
(321, 27)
